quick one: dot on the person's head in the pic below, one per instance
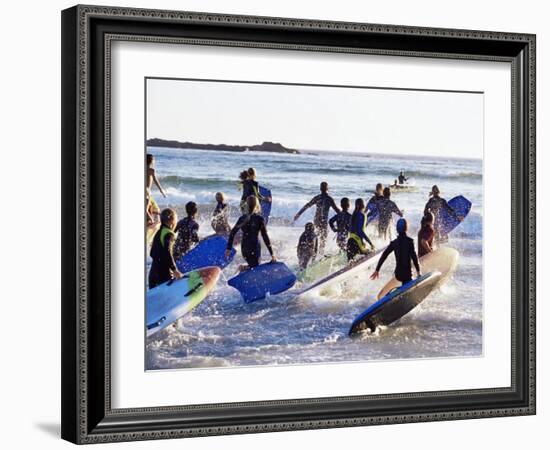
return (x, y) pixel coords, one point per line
(252, 204)
(150, 160)
(428, 219)
(344, 203)
(402, 226)
(395, 181)
(379, 189)
(387, 192)
(251, 173)
(435, 191)
(359, 204)
(220, 197)
(324, 187)
(309, 227)
(169, 218)
(243, 175)
(191, 209)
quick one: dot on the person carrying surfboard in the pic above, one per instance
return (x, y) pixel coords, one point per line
(220, 215)
(163, 267)
(434, 205)
(252, 225)
(152, 207)
(250, 187)
(308, 245)
(426, 235)
(323, 202)
(357, 235)
(340, 223)
(403, 248)
(386, 207)
(371, 204)
(187, 231)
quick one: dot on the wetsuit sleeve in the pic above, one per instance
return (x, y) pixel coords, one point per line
(395, 209)
(265, 237)
(386, 253)
(414, 257)
(232, 234)
(307, 205)
(331, 223)
(170, 246)
(334, 206)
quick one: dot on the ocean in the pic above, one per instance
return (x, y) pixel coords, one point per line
(224, 332)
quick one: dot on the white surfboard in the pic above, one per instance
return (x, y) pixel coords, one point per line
(443, 260)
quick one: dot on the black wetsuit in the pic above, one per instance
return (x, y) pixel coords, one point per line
(357, 236)
(187, 230)
(340, 223)
(435, 205)
(308, 245)
(323, 202)
(161, 254)
(402, 179)
(220, 219)
(372, 204)
(386, 208)
(403, 248)
(251, 225)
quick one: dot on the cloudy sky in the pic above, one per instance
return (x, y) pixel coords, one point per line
(317, 118)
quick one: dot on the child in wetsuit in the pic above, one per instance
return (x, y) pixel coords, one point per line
(187, 230)
(308, 245)
(323, 202)
(403, 248)
(435, 205)
(373, 201)
(252, 225)
(340, 224)
(220, 216)
(250, 187)
(426, 235)
(357, 235)
(164, 268)
(386, 208)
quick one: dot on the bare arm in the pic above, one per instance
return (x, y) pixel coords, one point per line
(331, 223)
(155, 179)
(334, 206)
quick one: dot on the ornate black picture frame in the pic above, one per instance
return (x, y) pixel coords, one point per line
(87, 33)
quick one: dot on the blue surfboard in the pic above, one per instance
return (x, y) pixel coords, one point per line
(447, 222)
(396, 304)
(266, 206)
(269, 278)
(373, 213)
(208, 253)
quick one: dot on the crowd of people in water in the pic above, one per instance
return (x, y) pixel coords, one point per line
(175, 238)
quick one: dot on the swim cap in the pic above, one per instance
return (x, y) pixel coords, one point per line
(401, 226)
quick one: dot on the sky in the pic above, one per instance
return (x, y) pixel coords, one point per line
(348, 119)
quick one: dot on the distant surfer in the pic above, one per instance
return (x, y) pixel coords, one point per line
(402, 178)
(386, 207)
(340, 223)
(426, 235)
(187, 231)
(371, 204)
(308, 246)
(250, 187)
(434, 205)
(252, 225)
(357, 236)
(152, 208)
(403, 248)
(220, 216)
(323, 202)
(163, 267)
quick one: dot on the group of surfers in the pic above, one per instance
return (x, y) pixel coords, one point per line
(175, 238)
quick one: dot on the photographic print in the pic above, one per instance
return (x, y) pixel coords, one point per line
(310, 224)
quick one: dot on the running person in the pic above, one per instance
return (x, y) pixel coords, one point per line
(403, 248)
(373, 201)
(250, 187)
(323, 202)
(152, 207)
(426, 235)
(340, 223)
(434, 205)
(357, 235)
(220, 216)
(386, 208)
(187, 231)
(308, 245)
(252, 225)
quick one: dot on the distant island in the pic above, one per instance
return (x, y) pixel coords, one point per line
(272, 147)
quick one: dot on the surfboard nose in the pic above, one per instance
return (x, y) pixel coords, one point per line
(210, 276)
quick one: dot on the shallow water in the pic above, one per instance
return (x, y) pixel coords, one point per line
(223, 331)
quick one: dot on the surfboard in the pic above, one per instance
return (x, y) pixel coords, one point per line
(208, 252)
(443, 260)
(269, 278)
(266, 206)
(150, 232)
(357, 266)
(169, 301)
(447, 222)
(374, 214)
(406, 187)
(396, 304)
(322, 267)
